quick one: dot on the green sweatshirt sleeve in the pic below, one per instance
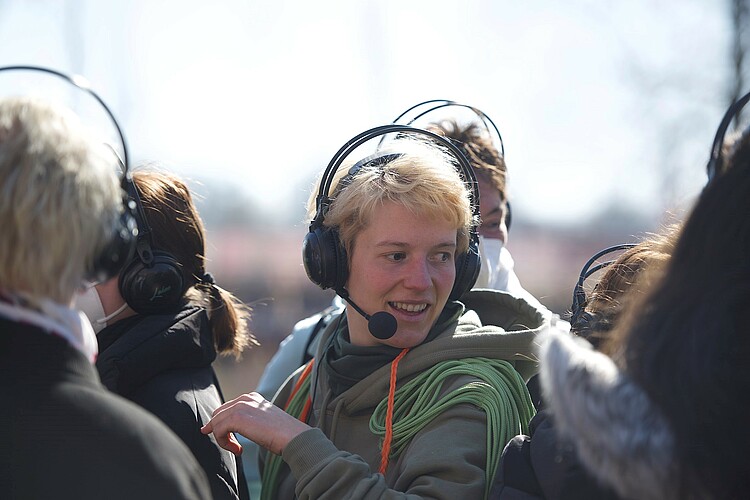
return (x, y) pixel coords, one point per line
(446, 460)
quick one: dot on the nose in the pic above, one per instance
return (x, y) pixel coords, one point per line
(418, 275)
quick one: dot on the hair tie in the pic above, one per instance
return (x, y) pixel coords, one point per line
(208, 279)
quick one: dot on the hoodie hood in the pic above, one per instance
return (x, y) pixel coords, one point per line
(137, 349)
(475, 334)
(619, 435)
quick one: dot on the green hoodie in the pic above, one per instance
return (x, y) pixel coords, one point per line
(340, 456)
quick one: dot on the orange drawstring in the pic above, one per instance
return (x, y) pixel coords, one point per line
(386, 451)
(306, 410)
(305, 373)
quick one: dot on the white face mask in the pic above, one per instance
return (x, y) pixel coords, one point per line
(493, 274)
(90, 304)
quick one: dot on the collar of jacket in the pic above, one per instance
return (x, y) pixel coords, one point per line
(502, 327)
(621, 437)
(34, 357)
(346, 363)
(136, 349)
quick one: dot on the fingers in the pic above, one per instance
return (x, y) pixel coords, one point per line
(233, 445)
(255, 418)
(221, 428)
(236, 415)
(229, 442)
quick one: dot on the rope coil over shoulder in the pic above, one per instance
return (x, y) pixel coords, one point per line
(499, 391)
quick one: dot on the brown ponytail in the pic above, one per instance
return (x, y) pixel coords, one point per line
(177, 228)
(228, 317)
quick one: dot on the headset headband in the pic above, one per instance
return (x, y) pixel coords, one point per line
(83, 84)
(323, 201)
(579, 294)
(716, 160)
(444, 103)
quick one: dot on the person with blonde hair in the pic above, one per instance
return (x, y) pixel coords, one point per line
(161, 322)
(63, 220)
(410, 392)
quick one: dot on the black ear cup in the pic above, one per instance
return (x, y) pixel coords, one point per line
(323, 255)
(324, 258)
(118, 251)
(468, 265)
(153, 288)
(153, 281)
(580, 319)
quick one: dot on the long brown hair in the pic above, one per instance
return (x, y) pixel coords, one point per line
(177, 228)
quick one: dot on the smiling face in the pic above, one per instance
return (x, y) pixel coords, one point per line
(403, 264)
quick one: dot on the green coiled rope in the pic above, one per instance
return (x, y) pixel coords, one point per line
(499, 391)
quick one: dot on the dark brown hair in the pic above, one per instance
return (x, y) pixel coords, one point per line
(476, 144)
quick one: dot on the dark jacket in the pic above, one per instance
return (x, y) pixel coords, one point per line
(542, 466)
(163, 363)
(63, 435)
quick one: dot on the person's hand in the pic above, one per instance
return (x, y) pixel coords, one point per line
(255, 418)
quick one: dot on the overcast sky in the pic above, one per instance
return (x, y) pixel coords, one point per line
(597, 101)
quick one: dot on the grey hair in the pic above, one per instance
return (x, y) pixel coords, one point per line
(59, 199)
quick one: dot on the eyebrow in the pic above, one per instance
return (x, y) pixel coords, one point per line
(400, 244)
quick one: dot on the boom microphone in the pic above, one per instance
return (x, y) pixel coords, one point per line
(382, 325)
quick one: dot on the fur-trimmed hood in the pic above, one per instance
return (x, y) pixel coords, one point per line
(620, 435)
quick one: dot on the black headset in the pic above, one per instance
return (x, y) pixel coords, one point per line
(435, 104)
(324, 256)
(580, 319)
(121, 244)
(715, 164)
(152, 281)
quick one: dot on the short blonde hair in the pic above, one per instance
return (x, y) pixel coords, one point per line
(59, 199)
(423, 177)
